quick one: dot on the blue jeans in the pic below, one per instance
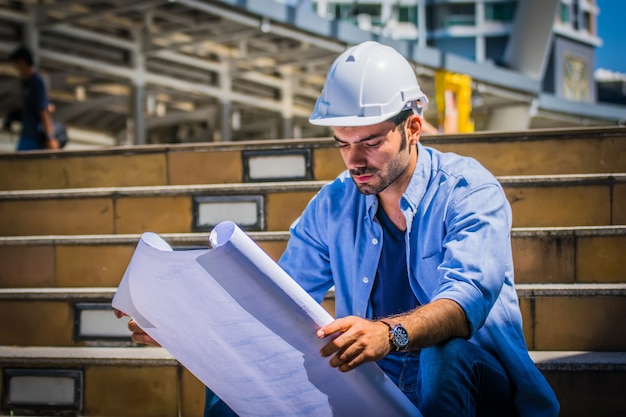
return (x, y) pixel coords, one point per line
(455, 378)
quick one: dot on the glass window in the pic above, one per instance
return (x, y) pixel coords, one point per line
(495, 47)
(564, 14)
(461, 14)
(587, 22)
(349, 12)
(342, 11)
(407, 14)
(500, 12)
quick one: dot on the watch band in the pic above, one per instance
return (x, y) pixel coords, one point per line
(393, 336)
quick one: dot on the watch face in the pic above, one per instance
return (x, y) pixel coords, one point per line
(400, 337)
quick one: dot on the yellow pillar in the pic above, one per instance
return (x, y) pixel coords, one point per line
(453, 94)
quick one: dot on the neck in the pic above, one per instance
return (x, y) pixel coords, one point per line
(390, 197)
(26, 72)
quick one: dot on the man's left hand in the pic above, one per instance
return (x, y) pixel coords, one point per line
(52, 143)
(358, 341)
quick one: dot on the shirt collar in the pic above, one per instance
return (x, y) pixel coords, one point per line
(419, 181)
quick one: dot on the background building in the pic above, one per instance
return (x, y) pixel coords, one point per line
(548, 40)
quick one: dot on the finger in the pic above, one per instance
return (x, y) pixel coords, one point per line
(350, 364)
(329, 348)
(339, 325)
(343, 344)
(119, 314)
(139, 335)
(143, 339)
(347, 358)
(134, 327)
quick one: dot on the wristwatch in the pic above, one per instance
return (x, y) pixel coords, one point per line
(398, 336)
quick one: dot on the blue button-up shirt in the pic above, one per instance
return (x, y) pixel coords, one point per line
(458, 247)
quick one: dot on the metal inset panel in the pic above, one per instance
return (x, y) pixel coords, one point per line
(96, 321)
(277, 165)
(53, 390)
(245, 211)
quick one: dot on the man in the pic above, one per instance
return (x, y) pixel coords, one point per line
(417, 246)
(34, 111)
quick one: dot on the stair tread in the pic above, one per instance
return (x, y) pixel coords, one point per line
(86, 355)
(545, 360)
(579, 360)
(571, 289)
(527, 290)
(300, 185)
(202, 237)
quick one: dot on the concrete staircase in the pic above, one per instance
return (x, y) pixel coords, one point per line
(71, 221)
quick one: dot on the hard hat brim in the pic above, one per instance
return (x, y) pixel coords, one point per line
(348, 121)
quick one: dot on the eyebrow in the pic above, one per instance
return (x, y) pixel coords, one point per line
(365, 139)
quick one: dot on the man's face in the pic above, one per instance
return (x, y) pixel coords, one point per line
(22, 68)
(379, 155)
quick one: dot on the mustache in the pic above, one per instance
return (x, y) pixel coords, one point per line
(363, 171)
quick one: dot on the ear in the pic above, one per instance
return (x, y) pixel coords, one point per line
(414, 129)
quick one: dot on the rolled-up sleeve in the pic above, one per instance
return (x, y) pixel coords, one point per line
(476, 251)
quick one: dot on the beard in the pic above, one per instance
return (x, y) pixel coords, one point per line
(380, 179)
(383, 178)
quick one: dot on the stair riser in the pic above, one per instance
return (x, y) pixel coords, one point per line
(574, 323)
(565, 259)
(589, 393)
(550, 323)
(542, 155)
(138, 391)
(533, 206)
(538, 258)
(130, 391)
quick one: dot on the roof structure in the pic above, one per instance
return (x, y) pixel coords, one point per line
(151, 71)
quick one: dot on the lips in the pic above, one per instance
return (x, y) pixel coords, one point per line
(362, 178)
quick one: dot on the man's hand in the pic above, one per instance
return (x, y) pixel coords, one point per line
(138, 335)
(359, 341)
(52, 143)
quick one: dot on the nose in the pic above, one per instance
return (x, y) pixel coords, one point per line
(354, 156)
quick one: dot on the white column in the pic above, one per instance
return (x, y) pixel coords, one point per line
(138, 93)
(531, 38)
(480, 31)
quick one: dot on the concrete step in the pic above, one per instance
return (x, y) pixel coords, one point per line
(531, 152)
(536, 201)
(93, 260)
(61, 317)
(133, 382)
(167, 209)
(569, 254)
(586, 383)
(573, 316)
(97, 381)
(556, 316)
(549, 255)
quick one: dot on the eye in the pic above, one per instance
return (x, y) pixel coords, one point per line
(373, 144)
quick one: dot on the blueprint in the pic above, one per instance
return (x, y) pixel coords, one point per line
(247, 330)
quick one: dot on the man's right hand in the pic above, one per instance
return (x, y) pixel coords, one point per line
(138, 335)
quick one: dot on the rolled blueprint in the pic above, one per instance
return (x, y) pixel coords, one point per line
(247, 330)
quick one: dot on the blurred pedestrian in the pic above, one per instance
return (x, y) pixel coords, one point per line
(38, 130)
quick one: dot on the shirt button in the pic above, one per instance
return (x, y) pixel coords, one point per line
(374, 241)
(366, 280)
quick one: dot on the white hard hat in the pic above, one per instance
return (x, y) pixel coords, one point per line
(367, 84)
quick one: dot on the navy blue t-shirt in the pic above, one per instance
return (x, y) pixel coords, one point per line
(391, 292)
(34, 101)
